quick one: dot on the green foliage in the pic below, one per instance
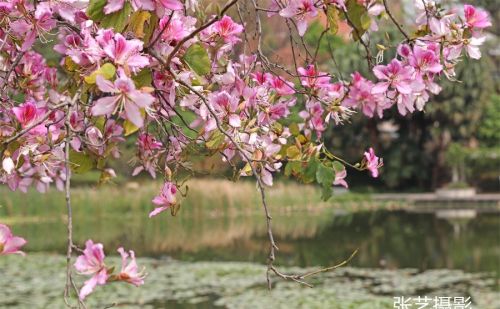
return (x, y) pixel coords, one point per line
(489, 128)
(81, 162)
(196, 57)
(107, 71)
(143, 79)
(358, 17)
(325, 175)
(117, 20)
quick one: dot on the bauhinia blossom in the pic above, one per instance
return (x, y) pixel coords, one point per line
(130, 271)
(10, 244)
(476, 18)
(373, 163)
(302, 11)
(340, 178)
(91, 263)
(165, 199)
(126, 97)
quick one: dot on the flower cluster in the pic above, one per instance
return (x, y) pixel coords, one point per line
(91, 263)
(181, 84)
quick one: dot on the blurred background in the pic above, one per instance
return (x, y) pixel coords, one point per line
(435, 207)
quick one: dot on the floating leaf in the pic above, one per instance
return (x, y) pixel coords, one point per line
(196, 57)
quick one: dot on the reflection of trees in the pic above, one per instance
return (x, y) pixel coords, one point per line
(229, 226)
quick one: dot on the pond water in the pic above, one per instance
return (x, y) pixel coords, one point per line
(218, 244)
(386, 239)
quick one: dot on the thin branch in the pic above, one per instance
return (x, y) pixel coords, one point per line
(386, 6)
(198, 30)
(36, 123)
(67, 188)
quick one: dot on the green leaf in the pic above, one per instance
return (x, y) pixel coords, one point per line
(355, 12)
(95, 9)
(337, 166)
(117, 20)
(326, 193)
(137, 22)
(294, 129)
(292, 168)
(80, 162)
(325, 175)
(129, 127)
(196, 57)
(309, 174)
(215, 140)
(293, 152)
(107, 71)
(143, 78)
(333, 19)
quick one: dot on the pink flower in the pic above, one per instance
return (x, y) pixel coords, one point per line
(302, 11)
(113, 6)
(472, 46)
(281, 86)
(127, 97)
(476, 18)
(373, 163)
(360, 95)
(227, 29)
(178, 27)
(8, 165)
(10, 244)
(312, 78)
(27, 114)
(425, 61)
(225, 105)
(40, 25)
(129, 272)
(124, 52)
(91, 263)
(394, 75)
(340, 179)
(165, 199)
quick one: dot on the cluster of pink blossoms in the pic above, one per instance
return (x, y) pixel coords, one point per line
(91, 263)
(139, 74)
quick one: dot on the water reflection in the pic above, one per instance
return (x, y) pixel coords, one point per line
(385, 239)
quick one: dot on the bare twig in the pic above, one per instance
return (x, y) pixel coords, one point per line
(69, 280)
(386, 6)
(198, 30)
(36, 123)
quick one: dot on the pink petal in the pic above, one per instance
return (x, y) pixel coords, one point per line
(234, 121)
(105, 85)
(133, 114)
(113, 6)
(157, 210)
(104, 106)
(380, 88)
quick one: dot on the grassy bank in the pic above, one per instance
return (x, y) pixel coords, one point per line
(204, 196)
